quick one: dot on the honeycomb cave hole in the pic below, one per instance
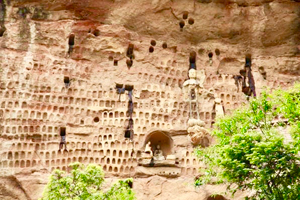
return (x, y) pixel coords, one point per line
(115, 62)
(67, 81)
(181, 24)
(96, 119)
(217, 51)
(210, 54)
(129, 52)
(161, 138)
(110, 58)
(185, 15)
(72, 39)
(96, 32)
(191, 21)
(153, 42)
(193, 60)
(248, 59)
(164, 45)
(129, 63)
(63, 131)
(151, 49)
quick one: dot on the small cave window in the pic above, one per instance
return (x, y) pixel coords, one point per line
(151, 49)
(63, 131)
(217, 51)
(120, 89)
(181, 24)
(71, 43)
(72, 40)
(185, 15)
(96, 32)
(193, 60)
(191, 21)
(63, 134)
(164, 45)
(129, 130)
(115, 62)
(210, 54)
(110, 58)
(67, 81)
(153, 42)
(129, 52)
(96, 119)
(248, 60)
(129, 63)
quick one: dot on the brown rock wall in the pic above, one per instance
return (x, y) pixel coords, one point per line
(35, 101)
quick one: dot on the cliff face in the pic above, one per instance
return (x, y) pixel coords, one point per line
(62, 60)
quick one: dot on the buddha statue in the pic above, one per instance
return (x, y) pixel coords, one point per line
(158, 154)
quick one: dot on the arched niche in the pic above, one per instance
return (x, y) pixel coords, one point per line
(161, 138)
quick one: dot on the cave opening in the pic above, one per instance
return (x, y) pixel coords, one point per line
(96, 32)
(151, 49)
(191, 21)
(115, 62)
(153, 42)
(181, 24)
(129, 52)
(67, 81)
(72, 39)
(193, 60)
(185, 15)
(164, 45)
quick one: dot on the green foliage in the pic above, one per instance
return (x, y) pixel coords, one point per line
(84, 183)
(251, 153)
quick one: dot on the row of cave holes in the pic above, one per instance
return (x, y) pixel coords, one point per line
(153, 44)
(191, 21)
(130, 55)
(193, 56)
(96, 33)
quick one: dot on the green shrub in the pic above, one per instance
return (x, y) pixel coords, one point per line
(251, 154)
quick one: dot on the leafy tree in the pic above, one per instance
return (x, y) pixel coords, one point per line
(85, 183)
(250, 152)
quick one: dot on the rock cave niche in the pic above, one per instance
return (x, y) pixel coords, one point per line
(160, 138)
(157, 156)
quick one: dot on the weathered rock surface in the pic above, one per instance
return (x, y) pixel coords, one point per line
(49, 81)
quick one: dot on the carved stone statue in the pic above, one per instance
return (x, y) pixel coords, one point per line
(148, 149)
(219, 108)
(192, 88)
(158, 154)
(197, 133)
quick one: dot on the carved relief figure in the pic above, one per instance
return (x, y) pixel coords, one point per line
(192, 87)
(219, 108)
(158, 154)
(197, 133)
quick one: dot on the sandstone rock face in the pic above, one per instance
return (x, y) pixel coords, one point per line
(61, 62)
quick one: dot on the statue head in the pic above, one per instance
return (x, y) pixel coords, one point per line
(192, 74)
(218, 100)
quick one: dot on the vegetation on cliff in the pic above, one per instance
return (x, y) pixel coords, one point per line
(85, 183)
(256, 151)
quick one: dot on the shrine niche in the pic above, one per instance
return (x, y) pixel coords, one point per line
(157, 150)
